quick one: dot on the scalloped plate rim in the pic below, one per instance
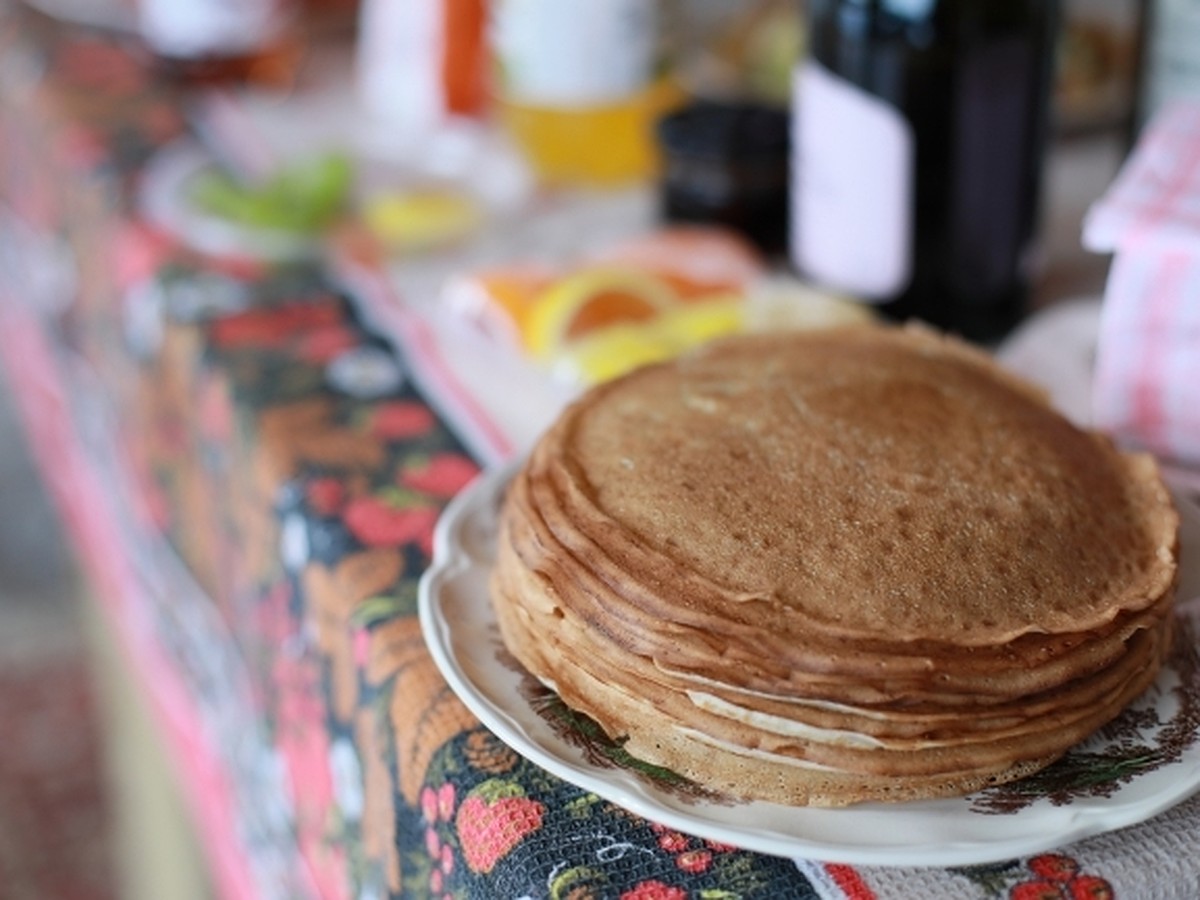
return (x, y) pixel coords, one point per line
(931, 829)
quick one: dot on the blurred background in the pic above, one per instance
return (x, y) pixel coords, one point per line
(59, 834)
(55, 819)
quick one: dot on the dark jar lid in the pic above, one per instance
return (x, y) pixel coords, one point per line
(729, 131)
(726, 163)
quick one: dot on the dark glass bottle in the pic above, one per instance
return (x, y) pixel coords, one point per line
(920, 134)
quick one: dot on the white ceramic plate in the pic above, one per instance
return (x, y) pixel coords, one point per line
(1013, 821)
(165, 200)
(165, 197)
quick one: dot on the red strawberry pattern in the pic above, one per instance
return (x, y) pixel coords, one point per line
(1058, 878)
(655, 890)
(691, 855)
(442, 475)
(399, 419)
(273, 326)
(325, 495)
(378, 523)
(492, 820)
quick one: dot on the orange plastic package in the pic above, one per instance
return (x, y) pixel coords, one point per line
(639, 300)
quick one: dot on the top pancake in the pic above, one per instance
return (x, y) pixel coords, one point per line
(871, 483)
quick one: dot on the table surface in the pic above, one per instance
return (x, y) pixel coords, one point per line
(252, 456)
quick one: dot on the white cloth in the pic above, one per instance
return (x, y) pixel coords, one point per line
(1147, 384)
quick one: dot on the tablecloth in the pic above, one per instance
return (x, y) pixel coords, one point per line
(253, 477)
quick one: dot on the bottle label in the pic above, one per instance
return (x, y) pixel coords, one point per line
(573, 52)
(852, 187)
(189, 29)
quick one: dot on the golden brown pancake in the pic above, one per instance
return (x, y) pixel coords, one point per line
(834, 566)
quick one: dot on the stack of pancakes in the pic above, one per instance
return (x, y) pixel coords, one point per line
(827, 567)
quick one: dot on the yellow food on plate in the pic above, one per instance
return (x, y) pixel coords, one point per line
(780, 304)
(664, 267)
(617, 349)
(696, 322)
(611, 352)
(421, 219)
(640, 300)
(594, 298)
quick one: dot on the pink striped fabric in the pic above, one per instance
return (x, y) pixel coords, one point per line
(1147, 384)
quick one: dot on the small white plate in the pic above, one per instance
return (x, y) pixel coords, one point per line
(165, 199)
(1006, 822)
